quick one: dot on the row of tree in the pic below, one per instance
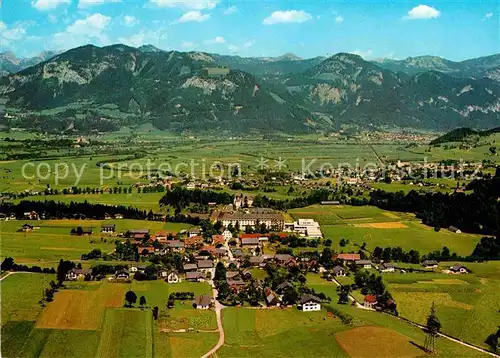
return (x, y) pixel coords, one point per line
(478, 212)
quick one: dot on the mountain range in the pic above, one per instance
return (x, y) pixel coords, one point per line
(9, 63)
(104, 88)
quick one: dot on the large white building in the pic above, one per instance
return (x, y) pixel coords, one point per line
(244, 219)
(305, 227)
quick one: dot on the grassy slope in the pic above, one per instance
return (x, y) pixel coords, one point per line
(467, 305)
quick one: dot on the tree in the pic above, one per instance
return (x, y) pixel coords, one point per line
(7, 264)
(492, 341)
(49, 295)
(344, 294)
(433, 328)
(62, 269)
(220, 272)
(142, 301)
(130, 298)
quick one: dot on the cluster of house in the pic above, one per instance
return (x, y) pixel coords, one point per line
(361, 263)
(29, 215)
(385, 267)
(307, 302)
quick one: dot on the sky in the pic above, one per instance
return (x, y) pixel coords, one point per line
(397, 29)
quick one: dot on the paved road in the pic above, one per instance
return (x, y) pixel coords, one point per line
(11, 273)
(220, 328)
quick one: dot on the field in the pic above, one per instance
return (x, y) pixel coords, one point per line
(192, 156)
(25, 307)
(467, 305)
(127, 333)
(291, 333)
(273, 333)
(377, 342)
(87, 320)
(377, 227)
(53, 240)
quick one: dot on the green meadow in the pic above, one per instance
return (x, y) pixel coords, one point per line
(467, 305)
(120, 332)
(53, 241)
(377, 227)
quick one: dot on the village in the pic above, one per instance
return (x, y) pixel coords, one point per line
(237, 257)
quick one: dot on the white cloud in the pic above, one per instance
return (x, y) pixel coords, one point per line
(248, 44)
(82, 4)
(129, 20)
(144, 38)
(216, 40)
(190, 4)
(233, 48)
(83, 31)
(488, 15)
(231, 10)
(187, 44)
(364, 54)
(339, 19)
(423, 12)
(279, 17)
(48, 4)
(9, 34)
(91, 26)
(196, 16)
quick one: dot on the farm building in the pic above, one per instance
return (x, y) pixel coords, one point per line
(339, 271)
(370, 301)
(205, 265)
(348, 257)
(175, 245)
(310, 303)
(271, 298)
(430, 264)
(202, 302)
(26, 227)
(190, 267)
(330, 202)
(249, 241)
(108, 228)
(194, 276)
(364, 263)
(458, 269)
(455, 230)
(387, 267)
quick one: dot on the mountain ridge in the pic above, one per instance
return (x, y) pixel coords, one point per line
(105, 87)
